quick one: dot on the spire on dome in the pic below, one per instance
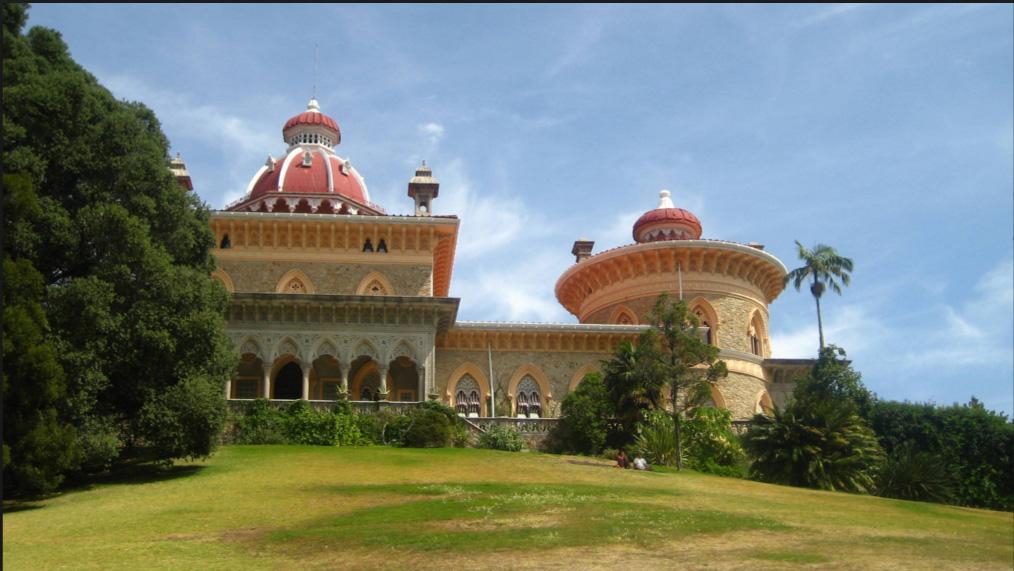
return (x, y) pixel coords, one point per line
(667, 222)
(664, 201)
(313, 106)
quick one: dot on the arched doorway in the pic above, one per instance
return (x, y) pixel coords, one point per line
(289, 382)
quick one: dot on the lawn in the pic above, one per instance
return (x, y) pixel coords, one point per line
(315, 507)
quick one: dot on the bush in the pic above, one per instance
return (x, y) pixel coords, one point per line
(822, 445)
(260, 423)
(656, 438)
(306, 425)
(583, 425)
(974, 445)
(710, 444)
(500, 437)
(912, 475)
(427, 428)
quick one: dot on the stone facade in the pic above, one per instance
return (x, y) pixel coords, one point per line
(263, 276)
(554, 371)
(734, 317)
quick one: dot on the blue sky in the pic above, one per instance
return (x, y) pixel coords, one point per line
(885, 131)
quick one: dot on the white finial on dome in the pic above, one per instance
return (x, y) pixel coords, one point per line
(313, 106)
(664, 201)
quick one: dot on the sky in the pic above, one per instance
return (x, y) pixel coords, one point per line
(885, 131)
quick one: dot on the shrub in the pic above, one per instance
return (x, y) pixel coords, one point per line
(711, 446)
(822, 445)
(584, 414)
(500, 437)
(912, 475)
(260, 423)
(427, 428)
(656, 438)
(307, 425)
(975, 445)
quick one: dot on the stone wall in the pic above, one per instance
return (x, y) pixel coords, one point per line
(733, 317)
(558, 370)
(741, 393)
(263, 276)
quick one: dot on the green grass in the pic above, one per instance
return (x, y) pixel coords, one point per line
(288, 506)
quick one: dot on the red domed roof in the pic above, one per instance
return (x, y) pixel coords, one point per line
(667, 223)
(311, 118)
(325, 174)
(310, 177)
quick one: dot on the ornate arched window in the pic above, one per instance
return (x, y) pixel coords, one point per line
(295, 285)
(376, 288)
(466, 399)
(529, 401)
(755, 342)
(705, 325)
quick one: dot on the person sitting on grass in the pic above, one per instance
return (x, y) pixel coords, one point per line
(640, 463)
(621, 460)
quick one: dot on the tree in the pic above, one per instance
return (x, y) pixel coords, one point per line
(135, 322)
(689, 365)
(819, 440)
(583, 426)
(671, 355)
(633, 383)
(824, 267)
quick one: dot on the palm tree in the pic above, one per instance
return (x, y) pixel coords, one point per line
(825, 267)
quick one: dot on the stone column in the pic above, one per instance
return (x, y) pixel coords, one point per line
(421, 386)
(228, 389)
(306, 382)
(266, 383)
(382, 369)
(344, 367)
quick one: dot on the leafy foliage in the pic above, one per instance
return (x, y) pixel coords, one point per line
(825, 446)
(825, 268)
(38, 449)
(583, 426)
(123, 253)
(911, 475)
(656, 438)
(427, 428)
(712, 446)
(500, 437)
(300, 423)
(819, 440)
(974, 445)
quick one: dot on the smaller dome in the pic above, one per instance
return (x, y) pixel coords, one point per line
(666, 222)
(311, 119)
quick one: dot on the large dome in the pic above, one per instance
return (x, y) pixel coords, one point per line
(310, 177)
(666, 222)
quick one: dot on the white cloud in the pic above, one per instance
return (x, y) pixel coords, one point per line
(488, 221)
(517, 287)
(827, 13)
(242, 143)
(911, 356)
(578, 46)
(433, 132)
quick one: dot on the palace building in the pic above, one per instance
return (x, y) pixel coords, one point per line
(332, 296)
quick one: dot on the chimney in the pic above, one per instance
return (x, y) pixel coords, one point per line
(582, 249)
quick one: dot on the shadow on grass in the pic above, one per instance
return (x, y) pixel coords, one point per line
(486, 516)
(126, 474)
(19, 506)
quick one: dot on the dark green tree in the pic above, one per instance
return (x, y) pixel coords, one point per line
(689, 365)
(819, 440)
(584, 418)
(124, 254)
(672, 357)
(824, 268)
